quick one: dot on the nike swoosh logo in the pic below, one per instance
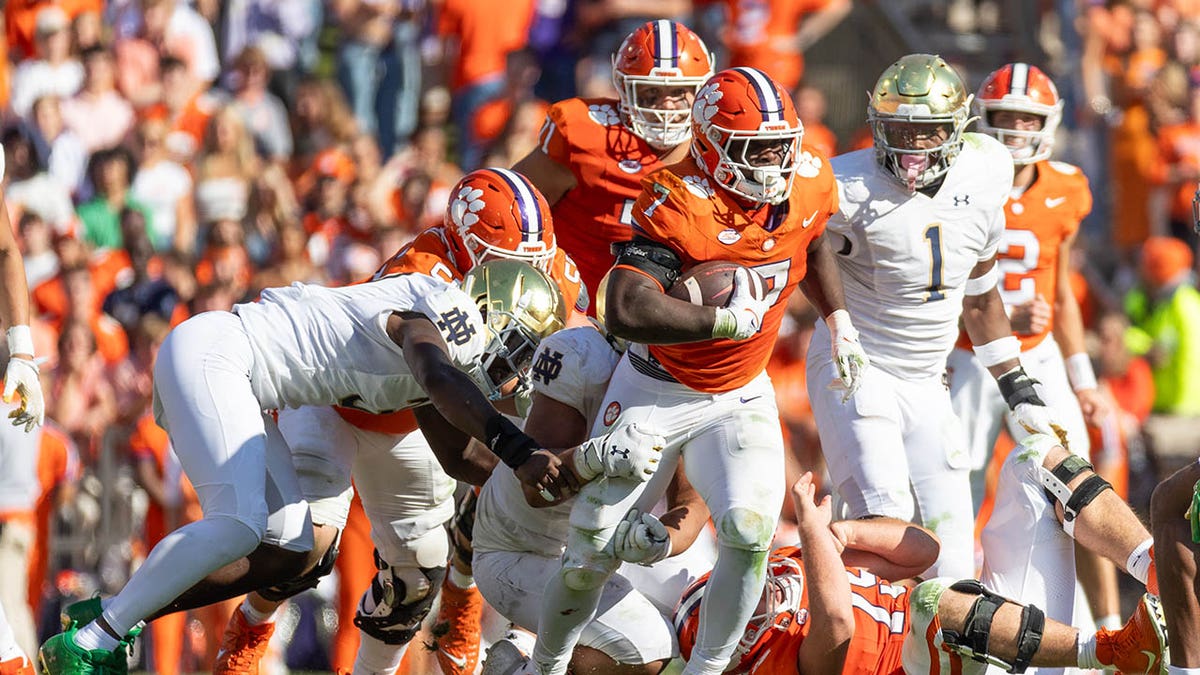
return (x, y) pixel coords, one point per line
(808, 221)
(1051, 203)
(1151, 658)
(752, 398)
(460, 661)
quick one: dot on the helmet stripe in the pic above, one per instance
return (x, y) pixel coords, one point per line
(768, 98)
(527, 204)
(691, 597)
(1020, 79)
(666, 44)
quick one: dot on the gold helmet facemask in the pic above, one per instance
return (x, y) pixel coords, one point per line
(916, 99)
(520, 305)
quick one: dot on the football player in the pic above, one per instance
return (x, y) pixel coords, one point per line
(519, 536)
(1019, 105)
(1175, 520)
(829, 606)
(391, 344)
(921, 218)
(407, 496)
(753, 195)
(594, 153)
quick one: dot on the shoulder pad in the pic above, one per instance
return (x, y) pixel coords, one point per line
(455, 316)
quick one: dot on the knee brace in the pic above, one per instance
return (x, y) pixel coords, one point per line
(742, 528)
(309, 579)
(1055, 481)
(587, 563)
(973, 641)
(392, 609)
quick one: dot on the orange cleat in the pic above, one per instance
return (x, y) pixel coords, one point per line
(1140, 646)
(457, 629)
(243, 646)
(18, 666)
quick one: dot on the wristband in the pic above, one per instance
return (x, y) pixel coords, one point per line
(998, 351)
(1080, 373)
(20, 340)
(1017, 388)
(839, 323)
(724, 324)
(984, 282)
(508, 442)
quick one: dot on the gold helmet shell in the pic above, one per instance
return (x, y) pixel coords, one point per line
(915, 91)
(520, 305)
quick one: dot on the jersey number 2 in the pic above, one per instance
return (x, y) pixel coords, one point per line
(934, 234)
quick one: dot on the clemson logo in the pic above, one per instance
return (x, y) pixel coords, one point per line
(698, 185)
(611, 413)
(603, 114)
(706, 102)
(465, 207)
(808, 165)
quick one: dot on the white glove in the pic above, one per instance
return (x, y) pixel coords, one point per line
(21, 377)
(1039, 419)
(848, 355)
(742, 316)
(641, 538)
(625, 452)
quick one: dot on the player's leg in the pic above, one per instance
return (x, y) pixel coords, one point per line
(12, 659)
(408, 499)
(572, 595)
(458, 627)
(861, 439)
(627, 635)
(980, 409)
(1176, 545)
(938, 468)
(16, 538)
(736, 464)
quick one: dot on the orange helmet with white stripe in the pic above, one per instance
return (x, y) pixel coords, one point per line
(660, 53)
(1020, 87)
(498, 213)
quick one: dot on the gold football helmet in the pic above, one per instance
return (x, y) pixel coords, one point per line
(918, 112)
(520, 305)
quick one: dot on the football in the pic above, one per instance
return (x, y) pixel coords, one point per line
(710, 284)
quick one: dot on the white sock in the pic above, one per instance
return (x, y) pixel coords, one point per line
(732, 593)
(255, 617)
(460, 580)
(1110, 622)
(377, 658)
(1085, 652)
(1181, 670)
(177, 563)
(92, 636)
(1138, 563)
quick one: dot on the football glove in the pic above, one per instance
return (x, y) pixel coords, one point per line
(641, 538)
(848, 356)
(742, 316)
(624, 452)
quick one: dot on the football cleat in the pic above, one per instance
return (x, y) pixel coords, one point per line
(507, 656)
(61, 656)
(243, 646)
(17, 666)
(81, 613)
(457, 629)
(1140, 646)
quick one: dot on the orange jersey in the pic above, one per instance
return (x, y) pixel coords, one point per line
(609, 162)
(1179, 144)
(682, 210)
(1036, 225)
(756, 29)
(487, 32)
(881, 620)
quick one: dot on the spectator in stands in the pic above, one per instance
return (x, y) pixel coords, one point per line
(30, 188)
(165, 187)
(810, 108)
(774, 36)
(59, 148)
(262, 113)
(110, 171)
(146, 292)
(98, 114)
(54, 70)
(168, 28)
(1165, 314)
(320, 119)
(37, 249)
(81, 399)
(225, 170)
(88, 29)
(84, 298)
(1179, 149)
(291, 262)
(283, 30)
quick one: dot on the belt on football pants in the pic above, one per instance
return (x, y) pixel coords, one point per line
(648, 365)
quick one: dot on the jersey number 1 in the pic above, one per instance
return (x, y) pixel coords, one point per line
(934, 234)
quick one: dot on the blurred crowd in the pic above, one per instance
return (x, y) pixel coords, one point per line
(167, 157)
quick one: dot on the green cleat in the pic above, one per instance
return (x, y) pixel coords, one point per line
(80, 614)
(61, 656)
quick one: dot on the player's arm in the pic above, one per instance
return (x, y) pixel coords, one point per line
(557, 425)
(637, 307)
(1068, 331)
(457, 398)
(829, 606)
(552, 178)
(814, 26)
(462, 457)
(645, 539)
(687, 515)
(887, 547)
(822, 285)
(21, 376)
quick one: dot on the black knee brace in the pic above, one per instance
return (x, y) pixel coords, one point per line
(973, 641)
(310, 579)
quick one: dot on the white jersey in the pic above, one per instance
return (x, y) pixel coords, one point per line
(321, 346)
(573, 367)
(19, 452)
(905, 257)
